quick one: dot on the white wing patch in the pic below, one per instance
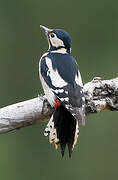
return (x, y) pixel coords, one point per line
(56, 79)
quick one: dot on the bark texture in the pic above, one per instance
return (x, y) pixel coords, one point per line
(99, 95)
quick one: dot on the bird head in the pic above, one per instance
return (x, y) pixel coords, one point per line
(57, 39)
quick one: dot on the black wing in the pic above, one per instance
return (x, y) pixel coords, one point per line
(70, 93)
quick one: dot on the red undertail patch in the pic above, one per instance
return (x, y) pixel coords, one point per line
(57, 104)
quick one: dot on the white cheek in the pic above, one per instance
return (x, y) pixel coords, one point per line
(56, 42)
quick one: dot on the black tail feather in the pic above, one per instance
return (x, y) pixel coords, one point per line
(65, 125)
(63, 146)
(69, 150)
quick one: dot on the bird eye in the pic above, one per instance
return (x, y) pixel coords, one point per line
(52, 35)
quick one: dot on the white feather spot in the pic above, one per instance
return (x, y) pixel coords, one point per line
(83, 98)
(78, 79)
(48, 72)
(56, 91)
(83, 106)
(66, 92)
(59, 91)
(56, 79)
(70, 109)
(67, 106)
(64, 99)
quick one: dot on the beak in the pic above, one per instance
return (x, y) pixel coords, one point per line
(46, 30)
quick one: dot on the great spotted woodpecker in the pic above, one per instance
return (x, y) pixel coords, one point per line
(62, 84)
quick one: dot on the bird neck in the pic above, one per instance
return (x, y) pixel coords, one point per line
(60, 49)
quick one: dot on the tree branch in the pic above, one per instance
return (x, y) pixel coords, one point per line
(99, 95)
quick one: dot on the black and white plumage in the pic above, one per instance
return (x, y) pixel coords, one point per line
(62, 84)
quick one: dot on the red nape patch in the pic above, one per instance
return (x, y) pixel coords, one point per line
(57, 104)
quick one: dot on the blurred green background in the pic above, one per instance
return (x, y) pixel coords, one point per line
(93, 26)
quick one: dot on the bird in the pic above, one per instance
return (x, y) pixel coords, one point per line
(63, 88)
